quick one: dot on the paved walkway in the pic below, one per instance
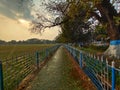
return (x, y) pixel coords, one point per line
(56, 74)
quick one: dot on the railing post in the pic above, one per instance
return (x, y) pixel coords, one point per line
(113, 75)
(46, 53)
(1, 77)
(73, 53)
(37, 60)
(80, 57)
(107, 73)
(70, 50)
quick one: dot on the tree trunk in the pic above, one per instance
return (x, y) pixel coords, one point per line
(114, 47)
(113, 31)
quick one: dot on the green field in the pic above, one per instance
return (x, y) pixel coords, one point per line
(13, 50)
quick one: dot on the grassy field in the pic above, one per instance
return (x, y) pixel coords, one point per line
(18, 61)
(13, 50)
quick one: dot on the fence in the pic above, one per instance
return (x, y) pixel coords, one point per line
(13, 70)
(103, 74)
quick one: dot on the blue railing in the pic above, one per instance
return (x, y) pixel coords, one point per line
(13, 70)
(103, 75)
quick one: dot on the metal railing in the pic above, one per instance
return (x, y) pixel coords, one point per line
(13, 70)
(104, 76)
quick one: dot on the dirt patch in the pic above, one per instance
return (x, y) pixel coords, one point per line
(78, 74)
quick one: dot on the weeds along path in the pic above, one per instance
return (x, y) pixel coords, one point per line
(56, 74)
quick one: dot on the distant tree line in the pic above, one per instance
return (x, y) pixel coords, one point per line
(29, 41)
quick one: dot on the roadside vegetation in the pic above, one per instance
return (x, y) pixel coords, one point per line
(94, 49)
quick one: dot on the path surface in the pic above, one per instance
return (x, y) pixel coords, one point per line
(56, 74)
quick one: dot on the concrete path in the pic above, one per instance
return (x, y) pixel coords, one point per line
(56, 74)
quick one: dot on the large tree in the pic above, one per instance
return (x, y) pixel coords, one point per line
(73, 29)
(105, 12)
(73, 14)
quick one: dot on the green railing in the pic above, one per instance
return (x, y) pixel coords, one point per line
(13, 70)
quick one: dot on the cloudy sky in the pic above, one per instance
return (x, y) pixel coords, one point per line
(15, 16)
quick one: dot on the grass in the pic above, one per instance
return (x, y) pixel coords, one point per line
(93, 49)
(101, 49)
(13, 50)
(16, 67)
(56, 75)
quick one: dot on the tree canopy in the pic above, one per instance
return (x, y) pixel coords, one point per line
(73, 18)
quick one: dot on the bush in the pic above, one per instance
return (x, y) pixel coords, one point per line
(101, 48)
(95, 48)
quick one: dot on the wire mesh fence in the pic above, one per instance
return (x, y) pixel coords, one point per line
(14, 69)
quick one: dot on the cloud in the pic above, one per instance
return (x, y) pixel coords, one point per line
(15, 16)
(16, 9)
(24, 23)
(11, 29)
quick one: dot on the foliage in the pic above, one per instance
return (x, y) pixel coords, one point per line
(100, 48)
(29, 41)
(105, 12)
(100, 33)
(94, 49)
(2, 42)
(73, 29)
(73, 17)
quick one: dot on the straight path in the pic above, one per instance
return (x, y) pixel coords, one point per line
(56, 74)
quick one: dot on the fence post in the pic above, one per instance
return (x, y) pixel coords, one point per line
(37, 60)
(1, 77)
(113, 75)
(70, 50)
(107, 73)
(80, 59)
(46, 53)
(74, 53)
